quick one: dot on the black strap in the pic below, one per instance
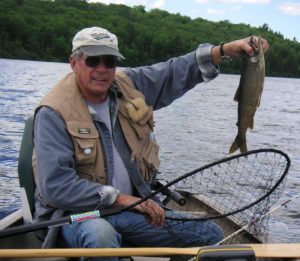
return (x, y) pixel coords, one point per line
(222, 53)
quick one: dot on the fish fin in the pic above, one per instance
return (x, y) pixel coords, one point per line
(251, 124)
(234, 146)
(237, 95)
(243, 147)
(258, 102)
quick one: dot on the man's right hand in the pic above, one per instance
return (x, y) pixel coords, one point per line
(154, 214)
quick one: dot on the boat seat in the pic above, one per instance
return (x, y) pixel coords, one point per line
(25, 173)
(25, 170)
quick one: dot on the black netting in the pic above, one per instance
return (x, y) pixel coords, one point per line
(234, 192)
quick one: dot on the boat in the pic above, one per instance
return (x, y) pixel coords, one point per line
(30, 241)
(27, 245)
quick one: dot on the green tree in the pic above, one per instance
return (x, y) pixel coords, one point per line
(43, 30)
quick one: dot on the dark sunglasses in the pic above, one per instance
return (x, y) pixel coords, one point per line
(109, 61)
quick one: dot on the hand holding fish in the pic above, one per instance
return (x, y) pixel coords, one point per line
(237, 48)
(250, 88)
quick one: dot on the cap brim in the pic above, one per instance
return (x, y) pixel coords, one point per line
(95, 50)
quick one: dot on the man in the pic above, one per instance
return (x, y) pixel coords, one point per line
(94, 148)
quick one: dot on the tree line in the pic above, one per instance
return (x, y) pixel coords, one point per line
(43, 30)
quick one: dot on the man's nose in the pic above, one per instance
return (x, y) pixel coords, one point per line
(101, 66)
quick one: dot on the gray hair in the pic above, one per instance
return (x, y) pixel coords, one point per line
(77, 54)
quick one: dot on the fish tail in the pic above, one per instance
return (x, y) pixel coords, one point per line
(239, 143)
(243, 147)
(234, 146)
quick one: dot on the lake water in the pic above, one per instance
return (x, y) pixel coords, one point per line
(195, 130)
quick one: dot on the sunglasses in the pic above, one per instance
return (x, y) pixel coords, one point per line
(109, 61)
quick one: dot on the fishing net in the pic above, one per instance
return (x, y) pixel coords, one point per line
(234, 192)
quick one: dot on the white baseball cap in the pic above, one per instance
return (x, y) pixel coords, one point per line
(94, 41)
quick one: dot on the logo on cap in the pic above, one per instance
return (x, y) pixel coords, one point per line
(99, 36)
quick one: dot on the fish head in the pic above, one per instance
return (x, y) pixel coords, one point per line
(256, 44)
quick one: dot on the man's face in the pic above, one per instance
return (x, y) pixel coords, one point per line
(94, 74)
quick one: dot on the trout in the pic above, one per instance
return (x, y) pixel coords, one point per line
(249, 93)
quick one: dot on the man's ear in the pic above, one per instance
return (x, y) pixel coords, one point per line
(73, 63)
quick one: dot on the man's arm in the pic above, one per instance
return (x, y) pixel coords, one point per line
(162, 83)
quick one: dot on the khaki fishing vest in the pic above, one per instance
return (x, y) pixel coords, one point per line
(65, 98)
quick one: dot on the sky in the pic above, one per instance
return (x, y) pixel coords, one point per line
(281, 16)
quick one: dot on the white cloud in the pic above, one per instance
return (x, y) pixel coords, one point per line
(235, 1)
(158, 4)
(290, 8)
(214, 11)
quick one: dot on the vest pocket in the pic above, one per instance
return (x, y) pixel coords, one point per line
(148, 161)
(85, 150)
(84, 136)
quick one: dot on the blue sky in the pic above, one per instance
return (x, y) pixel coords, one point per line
(281, 15)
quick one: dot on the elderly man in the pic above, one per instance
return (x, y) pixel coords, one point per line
(93, 146)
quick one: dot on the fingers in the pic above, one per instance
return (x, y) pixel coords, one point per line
(253, 42)
(249, 46)
(265, 45)
(154, 214)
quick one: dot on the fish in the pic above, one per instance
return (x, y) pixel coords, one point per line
(248, 94)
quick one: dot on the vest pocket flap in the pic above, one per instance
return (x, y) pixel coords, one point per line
(82, 130)
(86, 143)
